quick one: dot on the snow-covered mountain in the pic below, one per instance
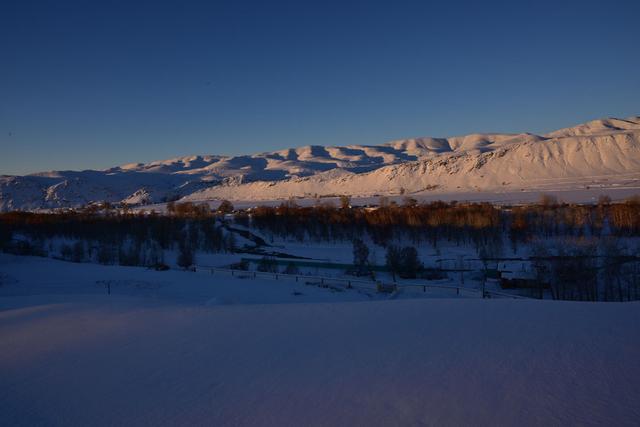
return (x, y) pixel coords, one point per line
(600, 152)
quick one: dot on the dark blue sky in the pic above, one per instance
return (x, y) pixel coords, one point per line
(92, 84)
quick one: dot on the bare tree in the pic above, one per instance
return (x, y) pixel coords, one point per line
(186, 257)
(226, 207)
(360, 257)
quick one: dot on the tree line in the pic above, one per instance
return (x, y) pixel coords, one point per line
(581, 251)
(116, 237)
(462, 223)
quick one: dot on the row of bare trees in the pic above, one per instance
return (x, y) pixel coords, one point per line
(550, 218)
(117, 238)
(462, 223)
(587, 269)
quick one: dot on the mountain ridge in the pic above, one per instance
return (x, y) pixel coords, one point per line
(475, 162)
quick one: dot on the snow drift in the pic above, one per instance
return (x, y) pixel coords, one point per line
(100, 361)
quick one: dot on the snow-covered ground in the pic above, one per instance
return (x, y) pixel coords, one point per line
(32, 276)
(505, 197)
(183, 348)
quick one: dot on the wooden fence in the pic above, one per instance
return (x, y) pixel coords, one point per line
(348, 283)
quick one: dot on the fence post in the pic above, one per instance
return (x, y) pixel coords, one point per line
(232, 272)
(424, 288)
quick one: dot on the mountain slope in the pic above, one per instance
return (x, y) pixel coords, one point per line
(553, 163)
(597, 152)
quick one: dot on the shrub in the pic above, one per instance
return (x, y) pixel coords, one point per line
(242, 265)
(78, 252)
(410, 265)
(360, 257)
(291, 269)
(226, 207)
(186, 257)
(267, 264)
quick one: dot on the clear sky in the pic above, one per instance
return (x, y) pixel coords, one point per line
(93, 84)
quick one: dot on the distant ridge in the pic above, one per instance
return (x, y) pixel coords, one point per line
(599, 152)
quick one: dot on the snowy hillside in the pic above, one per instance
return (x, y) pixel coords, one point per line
(181, 348)
(602, 154)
